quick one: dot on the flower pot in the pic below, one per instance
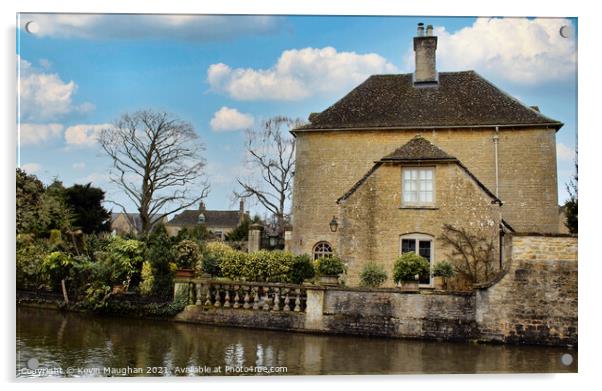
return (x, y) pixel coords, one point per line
(118, 289)
(185, 273)
(439, 282)
(329, 280)
(408, 286)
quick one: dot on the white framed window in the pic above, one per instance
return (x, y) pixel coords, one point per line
(322, 249)
(418, 186)
(423, 245)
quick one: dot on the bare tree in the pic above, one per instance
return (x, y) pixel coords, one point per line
(156, 162)
(472, 253)
(271, 158)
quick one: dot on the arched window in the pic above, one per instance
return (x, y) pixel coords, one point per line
(322, 249)
(201, 219)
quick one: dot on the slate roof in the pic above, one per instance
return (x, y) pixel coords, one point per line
(418, 148)
(213, 218)
(460, 99)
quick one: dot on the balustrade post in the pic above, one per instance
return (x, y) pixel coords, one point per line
(266, 298)
(217, 303)
(246, 299)
(297, 300)
(256, 298)
(276, 306)
(236, 298)
(199, 292)
(208, 295)
(227, 298)
(287, 300)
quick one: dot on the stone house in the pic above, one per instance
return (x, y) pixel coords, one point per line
(129, 223)
(383, 169)
(219, 222)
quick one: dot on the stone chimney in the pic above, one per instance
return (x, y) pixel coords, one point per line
(241, 210)
(425, 46)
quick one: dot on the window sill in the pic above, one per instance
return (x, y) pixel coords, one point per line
(419, 207)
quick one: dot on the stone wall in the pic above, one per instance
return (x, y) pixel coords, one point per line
(330, 162)
(536, 300)
(533, 301)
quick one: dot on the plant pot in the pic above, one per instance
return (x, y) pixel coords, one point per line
(439, 282)
(329, 280)
(185, 273)
(408, 286)
(118, 289)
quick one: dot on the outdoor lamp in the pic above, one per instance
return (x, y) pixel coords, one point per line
(334, 224)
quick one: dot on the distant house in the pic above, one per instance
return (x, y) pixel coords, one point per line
(128, 223)
(219, 222)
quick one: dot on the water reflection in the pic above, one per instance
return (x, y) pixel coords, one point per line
(68, 340)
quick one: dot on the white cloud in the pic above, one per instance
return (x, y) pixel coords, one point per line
(78, 166)
(38, 133)
(84, 135)
(564, 152)
(298, 74)
(122, 26)
(96, 178)
(45, 96)
(31, 168)
(227, 119)
(516, 49)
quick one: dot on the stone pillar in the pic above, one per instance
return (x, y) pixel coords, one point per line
(181, 287)
(288, 238)
(255, 237)
(314, 310)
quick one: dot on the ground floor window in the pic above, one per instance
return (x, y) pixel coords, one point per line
(422, 245)
(322, 249)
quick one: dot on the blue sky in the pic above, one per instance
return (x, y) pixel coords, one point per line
(79, 73)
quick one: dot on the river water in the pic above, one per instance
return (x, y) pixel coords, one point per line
(51, 343)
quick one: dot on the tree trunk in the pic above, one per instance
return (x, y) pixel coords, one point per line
(64, 291)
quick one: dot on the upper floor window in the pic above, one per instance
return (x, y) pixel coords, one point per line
(322, 249)
(418, 186)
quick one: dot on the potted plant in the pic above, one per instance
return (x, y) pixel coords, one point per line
(187, 255)
(442, 271)
(407, 270)
(329, 269)
(372, 276)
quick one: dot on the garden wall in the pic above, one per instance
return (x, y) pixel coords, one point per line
(533, 301)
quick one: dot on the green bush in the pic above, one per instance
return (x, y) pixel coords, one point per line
(409, 265)
(444, 269)
(268, 266)
(124, 258)
(188, 254)
(57, 266)
(30, 260)
(330, 266)
(302, 269)
(147, 279)
(160, 255)
(372, 275)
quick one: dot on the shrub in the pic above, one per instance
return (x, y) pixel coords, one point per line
(301, 269)
(124, 258)
(160, 255)
(372, 275)
(444, 269)
(188, 254)
(57, 265)
(30, 258)
(147, 279)
(409, 265)
(234, 264)
(268, 266)
(330, 266)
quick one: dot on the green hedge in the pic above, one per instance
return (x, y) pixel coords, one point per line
(407, 266)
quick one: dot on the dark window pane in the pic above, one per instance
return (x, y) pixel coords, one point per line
(424, 249)
(408, 245)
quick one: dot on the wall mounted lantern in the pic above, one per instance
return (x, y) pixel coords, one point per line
(334, 224)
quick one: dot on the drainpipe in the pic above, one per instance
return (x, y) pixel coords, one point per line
(496, 139)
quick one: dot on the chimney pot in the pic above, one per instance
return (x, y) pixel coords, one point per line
(425, 47)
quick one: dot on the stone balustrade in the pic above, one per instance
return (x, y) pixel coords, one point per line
(249, 295)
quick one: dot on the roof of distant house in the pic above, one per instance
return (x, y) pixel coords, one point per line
(213, 218)
(458, 99)
(133, 218)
